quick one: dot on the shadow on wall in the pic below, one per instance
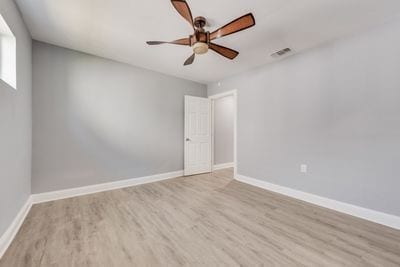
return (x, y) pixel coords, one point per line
(110, 121)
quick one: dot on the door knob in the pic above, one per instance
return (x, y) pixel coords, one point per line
(188, 139)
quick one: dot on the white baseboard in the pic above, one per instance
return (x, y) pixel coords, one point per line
(91, 189)
(223, 166)
(9, 234)
(363, 213)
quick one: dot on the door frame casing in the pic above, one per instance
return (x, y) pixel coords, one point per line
(235, 108)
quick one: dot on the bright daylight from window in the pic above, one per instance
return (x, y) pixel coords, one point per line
(7, 55)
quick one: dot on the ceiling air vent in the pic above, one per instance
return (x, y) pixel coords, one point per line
(281, 52)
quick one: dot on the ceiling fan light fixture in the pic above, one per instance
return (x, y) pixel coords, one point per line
(200, 48)
(201, 40)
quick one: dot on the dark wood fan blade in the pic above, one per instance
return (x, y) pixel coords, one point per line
(189, 60)
(236, 25)
(224, 51)
(183, 41)
(183, 8)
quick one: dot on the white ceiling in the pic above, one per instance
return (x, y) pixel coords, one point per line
(118, 29)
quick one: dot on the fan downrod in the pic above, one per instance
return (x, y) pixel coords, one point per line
(200, 22)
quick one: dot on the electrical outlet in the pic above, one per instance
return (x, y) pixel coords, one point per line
(303, 168)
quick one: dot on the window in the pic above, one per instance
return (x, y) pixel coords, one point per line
(8, 53)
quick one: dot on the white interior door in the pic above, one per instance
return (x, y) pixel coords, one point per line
(197, 135)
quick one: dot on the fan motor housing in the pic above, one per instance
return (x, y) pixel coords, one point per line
(203, 37)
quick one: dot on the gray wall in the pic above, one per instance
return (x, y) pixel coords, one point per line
(15, 124)
(96, 120)
(335, 108)
(223, 130)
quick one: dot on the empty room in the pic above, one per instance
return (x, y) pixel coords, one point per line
(199, 133)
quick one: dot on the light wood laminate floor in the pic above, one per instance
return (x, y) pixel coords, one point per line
(207, 220)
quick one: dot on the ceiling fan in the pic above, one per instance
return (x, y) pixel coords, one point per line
(200, 40)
